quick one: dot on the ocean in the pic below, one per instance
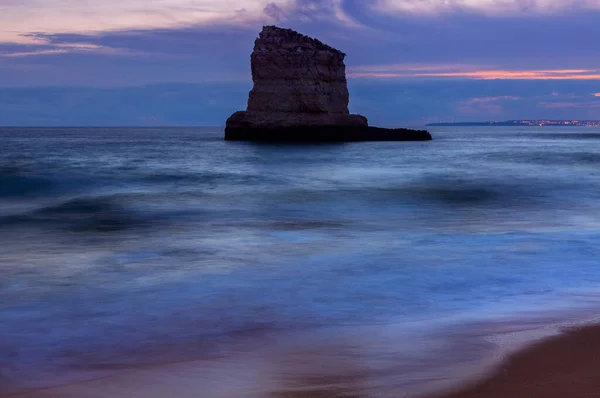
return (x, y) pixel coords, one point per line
(272, 266)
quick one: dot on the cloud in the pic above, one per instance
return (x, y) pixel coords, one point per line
(564, 105)
(30, 53)
(495, 7)
(492, 99)
(469, 72)
(566, 74)
(47, 47)
(340, 13)
(21, 18)
(114, 41)
(597, 95)
(561, 105)
(485, 105)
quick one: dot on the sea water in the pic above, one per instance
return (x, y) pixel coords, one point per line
(124, 247)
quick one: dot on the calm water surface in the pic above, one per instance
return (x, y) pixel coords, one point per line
(121, 247)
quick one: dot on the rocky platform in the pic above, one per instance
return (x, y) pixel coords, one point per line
(300, 94)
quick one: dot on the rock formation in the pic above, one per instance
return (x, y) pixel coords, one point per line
(300, 93)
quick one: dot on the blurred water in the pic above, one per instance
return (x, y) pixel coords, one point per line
(135, 246)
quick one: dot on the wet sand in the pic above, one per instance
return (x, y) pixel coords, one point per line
(567, 365)
(564, 366)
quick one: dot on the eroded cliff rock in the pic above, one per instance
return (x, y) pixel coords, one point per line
(293, 73)
(298, 81)
(300, 93)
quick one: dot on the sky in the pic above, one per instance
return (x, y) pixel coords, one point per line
(186, 62)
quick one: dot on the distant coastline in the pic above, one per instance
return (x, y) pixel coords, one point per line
(519, 123)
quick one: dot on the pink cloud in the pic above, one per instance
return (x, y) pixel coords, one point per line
(559, 74)
(466, 71)
(20, 18)
(64, 48)
(31, 53)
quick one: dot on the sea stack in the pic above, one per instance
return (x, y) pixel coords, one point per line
(300, 93)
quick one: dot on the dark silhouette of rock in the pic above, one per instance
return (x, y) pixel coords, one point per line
(300, 93)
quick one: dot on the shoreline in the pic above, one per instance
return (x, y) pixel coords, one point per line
(520, 358)
(564, 365)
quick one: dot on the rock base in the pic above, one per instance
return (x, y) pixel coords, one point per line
(324, 134)
(311, 127)
(271, 120)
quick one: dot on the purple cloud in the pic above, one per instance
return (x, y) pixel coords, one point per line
(463, 47)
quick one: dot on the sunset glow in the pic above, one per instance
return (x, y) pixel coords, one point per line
(421, 59)
(492, 74)
(19, 20)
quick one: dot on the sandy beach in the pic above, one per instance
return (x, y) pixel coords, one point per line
(558, 367)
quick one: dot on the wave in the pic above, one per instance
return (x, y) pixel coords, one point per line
(16, 182)
(48, 180)
(210, 178)
(440, 191)
(20, 182)
(102, 214)
(469, 193)
(570, 158)
(466, 193)
(567, 136)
